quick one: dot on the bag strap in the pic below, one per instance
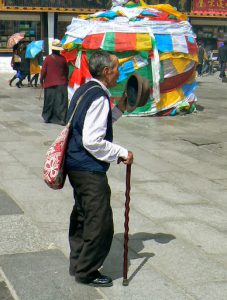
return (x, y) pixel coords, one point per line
(54, 58)
(78, 102)
(57, 63)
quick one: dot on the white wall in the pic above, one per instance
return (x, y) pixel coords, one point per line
(5, 66)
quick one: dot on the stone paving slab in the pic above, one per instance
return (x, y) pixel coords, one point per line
(177, 246)
(19, 234)
(7, 205)
(4, 291)
(43, 276)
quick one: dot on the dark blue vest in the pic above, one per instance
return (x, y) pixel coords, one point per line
(77, 157)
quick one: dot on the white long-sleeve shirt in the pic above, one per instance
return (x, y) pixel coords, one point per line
(94, 130)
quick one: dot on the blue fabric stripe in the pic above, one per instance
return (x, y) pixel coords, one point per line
(164, 42)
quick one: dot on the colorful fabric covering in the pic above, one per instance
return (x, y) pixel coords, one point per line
(154, 40)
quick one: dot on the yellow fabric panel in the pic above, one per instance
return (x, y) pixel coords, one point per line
(143, 4)
(123, 60)
(180, 64)
(171, 55)
(68, 46)
(170, 10)
(83, 16)
(170, 98)
(34, 66)
(143, 42)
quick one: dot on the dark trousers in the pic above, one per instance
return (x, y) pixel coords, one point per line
(223, 67)
(91, 223)
(35, 78)
(199, 69)
(55, 104)
(23, 76)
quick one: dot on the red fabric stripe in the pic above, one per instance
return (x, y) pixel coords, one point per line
(192, 48)
(79, 76)
(175, 82)
(69, 55)
(93, 42)
(125, 41)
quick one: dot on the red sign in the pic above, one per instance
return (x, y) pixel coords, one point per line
(210, 7)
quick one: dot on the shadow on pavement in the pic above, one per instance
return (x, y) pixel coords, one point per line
(113, 265)
(199, 107)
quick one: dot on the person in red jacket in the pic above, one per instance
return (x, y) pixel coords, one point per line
(54, 79)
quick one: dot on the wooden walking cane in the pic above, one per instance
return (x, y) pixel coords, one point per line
(40, 95)
(127, 208)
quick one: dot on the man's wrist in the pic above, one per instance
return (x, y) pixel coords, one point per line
(120, 108)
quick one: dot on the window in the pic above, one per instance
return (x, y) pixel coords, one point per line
(7, 28)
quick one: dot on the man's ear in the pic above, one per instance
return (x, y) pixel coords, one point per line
(105, 71)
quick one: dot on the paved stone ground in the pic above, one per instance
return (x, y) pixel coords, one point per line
(178, 224)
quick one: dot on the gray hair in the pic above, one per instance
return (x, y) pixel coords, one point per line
(98, 61)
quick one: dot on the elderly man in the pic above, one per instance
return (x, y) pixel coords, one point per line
(222, 57)
(90, 151)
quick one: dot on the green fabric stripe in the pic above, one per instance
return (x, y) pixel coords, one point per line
(71, 69)
(109, 42)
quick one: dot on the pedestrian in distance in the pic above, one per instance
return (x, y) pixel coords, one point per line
(15, 62)
(24, 67)
(54, 79)
(201, 54)
(88, 156)
(206, 61)
(210, 61)
(222, 57)
(35, 68)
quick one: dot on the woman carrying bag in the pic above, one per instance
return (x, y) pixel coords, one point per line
(54, 79)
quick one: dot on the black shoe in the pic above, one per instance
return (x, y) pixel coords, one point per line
(98, 281)
(18, 85)
(72, 271)
(101, 281)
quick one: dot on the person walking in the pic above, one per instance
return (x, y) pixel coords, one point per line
(35, 69)
(222, 57)
(15, 62)
(54, 79)
(24, 67)
(210, 61)
(201, 53)
(88, 156)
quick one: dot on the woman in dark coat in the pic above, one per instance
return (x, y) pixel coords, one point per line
(24, 67)
(54, 79)
(15, 62)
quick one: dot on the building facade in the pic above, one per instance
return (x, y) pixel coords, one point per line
(42, 19)
(48, 19)
(209, 20)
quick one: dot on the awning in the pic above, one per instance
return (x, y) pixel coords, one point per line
(208, 21)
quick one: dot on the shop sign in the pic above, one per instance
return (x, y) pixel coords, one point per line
(59, 3)
(210, 7)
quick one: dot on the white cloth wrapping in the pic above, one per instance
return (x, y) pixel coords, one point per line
(80, 28)
(119, 2)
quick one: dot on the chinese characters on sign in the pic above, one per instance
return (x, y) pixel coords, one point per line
(210, 6)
